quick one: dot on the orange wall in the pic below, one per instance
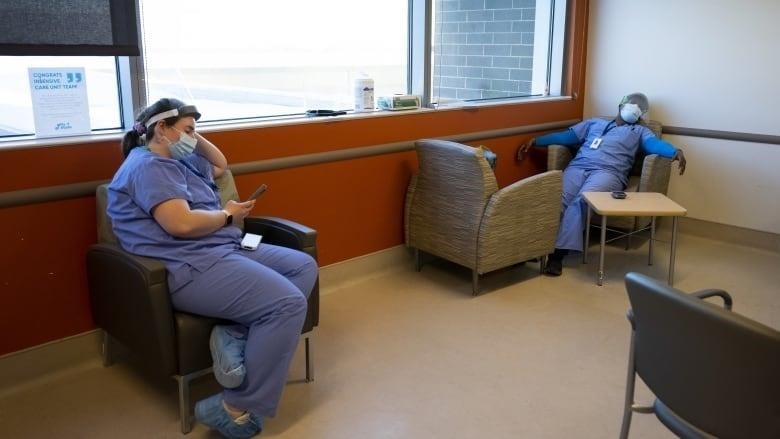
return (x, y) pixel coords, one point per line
(356, 206)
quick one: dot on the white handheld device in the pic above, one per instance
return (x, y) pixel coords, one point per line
(251, 241)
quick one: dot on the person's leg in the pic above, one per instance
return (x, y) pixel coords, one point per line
(573, 179)
(228, 342)
(573, 220)
(298, 267)
(574, 213)
(269, 305)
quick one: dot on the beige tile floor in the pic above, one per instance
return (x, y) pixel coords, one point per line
(413, 355)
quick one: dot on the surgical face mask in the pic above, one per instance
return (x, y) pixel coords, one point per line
(630, 113)
(182, 147)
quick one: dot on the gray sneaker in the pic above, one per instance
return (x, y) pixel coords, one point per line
(227, 352)
(211, 412)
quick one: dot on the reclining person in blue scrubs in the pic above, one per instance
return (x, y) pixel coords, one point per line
(164, 204)
(602, 164)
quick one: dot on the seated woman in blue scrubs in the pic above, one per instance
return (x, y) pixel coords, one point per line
(164, 204)
(603, 161)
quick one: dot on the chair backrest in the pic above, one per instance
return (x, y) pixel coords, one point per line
(716, 369)
(452, 188)
(639, 159)
(105, 232)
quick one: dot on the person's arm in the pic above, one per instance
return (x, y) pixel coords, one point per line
(566, 138)
(176, 217)
(212, 154)
(654, 145)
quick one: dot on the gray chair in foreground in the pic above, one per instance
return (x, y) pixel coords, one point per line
(131, 304)
(455, 211)
(714, 373)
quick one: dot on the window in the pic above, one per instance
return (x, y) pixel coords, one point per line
(248, 59)
(16, 112)
(488, 49)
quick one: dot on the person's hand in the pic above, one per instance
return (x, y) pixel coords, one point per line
(239, 210)
(524, 148)
(680, 157)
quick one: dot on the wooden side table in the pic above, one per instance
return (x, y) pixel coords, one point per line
(650, 204)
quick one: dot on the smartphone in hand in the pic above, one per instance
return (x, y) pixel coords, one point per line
(259, 191)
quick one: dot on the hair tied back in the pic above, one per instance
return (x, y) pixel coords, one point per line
(139, 128)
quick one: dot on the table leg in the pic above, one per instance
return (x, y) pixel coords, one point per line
(587, 237)
(673, 252)
(652, 239)
(600, 280)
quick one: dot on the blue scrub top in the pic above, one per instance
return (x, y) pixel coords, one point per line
(618, 146)
(145, 180)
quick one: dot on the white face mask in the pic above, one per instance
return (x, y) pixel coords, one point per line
(630, 113)
(183, 147)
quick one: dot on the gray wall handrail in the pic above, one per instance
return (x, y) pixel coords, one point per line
(722, 135)
(87, 188)
(386, 148)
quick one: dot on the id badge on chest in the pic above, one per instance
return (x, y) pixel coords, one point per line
(595, 143)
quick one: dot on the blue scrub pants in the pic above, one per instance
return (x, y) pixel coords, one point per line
(574, 211)
(265, 292)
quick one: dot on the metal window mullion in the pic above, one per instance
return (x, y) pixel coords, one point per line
(419, 70)
(131, 79)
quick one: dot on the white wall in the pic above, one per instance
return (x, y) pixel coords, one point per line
(709, 64)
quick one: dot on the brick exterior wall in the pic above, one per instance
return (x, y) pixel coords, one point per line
(483, 48)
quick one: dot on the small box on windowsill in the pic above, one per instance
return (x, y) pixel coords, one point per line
(399, 102)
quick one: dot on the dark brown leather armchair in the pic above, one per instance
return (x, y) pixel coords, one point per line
(131, 304)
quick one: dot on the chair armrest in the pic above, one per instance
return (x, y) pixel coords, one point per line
(130, 301)
(558, 157)
(656, 171)
(703, 294)
(523, 217)
(527, 200)
(283, 232)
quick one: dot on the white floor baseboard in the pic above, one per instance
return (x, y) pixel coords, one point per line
(341, 274)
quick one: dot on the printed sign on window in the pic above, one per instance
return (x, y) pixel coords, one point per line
(59, 98)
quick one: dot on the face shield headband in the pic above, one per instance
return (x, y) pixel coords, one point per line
(184, 110)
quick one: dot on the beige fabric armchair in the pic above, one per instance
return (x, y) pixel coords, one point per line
(650, 173)
(455, 210)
